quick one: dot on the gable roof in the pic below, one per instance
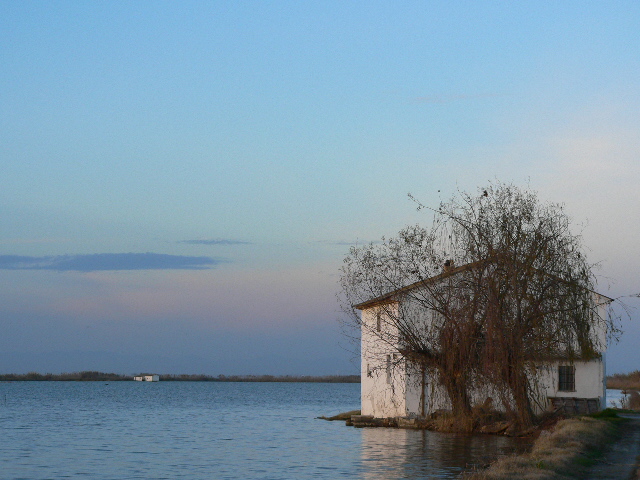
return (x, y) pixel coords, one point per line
(387, 297)
(390, 296)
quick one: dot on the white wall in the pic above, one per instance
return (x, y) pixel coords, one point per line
(383, 383)
(589, 377)
(396, 391)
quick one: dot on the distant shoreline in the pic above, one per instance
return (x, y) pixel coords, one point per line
(630, 381)
(91, 376)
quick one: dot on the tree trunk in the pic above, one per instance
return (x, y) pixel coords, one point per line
(519, 386)
(456, 387)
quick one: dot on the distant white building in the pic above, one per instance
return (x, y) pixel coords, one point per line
(147, 378)
(392, 387)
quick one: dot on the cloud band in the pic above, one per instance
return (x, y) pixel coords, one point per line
(107, 262)
(215, 241)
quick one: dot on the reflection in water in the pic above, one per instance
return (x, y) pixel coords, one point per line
(411, 454)
(415, 454)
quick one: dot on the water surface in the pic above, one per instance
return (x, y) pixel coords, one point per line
(210, 430)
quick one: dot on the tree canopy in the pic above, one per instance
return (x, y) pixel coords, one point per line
(505, 283)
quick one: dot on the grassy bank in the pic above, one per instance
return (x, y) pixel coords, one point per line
(566, 451)
(92, 376)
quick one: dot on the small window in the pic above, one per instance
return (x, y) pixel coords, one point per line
(378, 321)
(369, 372)
(567, 378)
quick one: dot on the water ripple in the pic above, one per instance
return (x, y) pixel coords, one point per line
(172, 430)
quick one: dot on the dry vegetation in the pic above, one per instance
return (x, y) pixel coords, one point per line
(630, 400)
(633, 401)
(564, 452)
(629, 383)
(624, 381)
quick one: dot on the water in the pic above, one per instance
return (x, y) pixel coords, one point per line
(172, 430)
(614, 398)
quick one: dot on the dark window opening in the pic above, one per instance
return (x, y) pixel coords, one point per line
(567, 378)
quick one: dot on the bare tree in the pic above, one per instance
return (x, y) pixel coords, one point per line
(497, 285)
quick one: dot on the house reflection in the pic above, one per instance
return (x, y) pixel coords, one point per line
(392, 453)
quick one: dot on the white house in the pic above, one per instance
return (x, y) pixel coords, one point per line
(392, 387)
(147, 378)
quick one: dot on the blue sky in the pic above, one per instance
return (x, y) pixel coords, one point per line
(181, 180)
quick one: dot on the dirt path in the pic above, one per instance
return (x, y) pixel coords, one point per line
(620, 460)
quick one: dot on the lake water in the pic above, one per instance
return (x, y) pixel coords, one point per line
(201, 430)
(615, 398)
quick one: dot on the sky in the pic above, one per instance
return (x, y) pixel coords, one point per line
(181, 181)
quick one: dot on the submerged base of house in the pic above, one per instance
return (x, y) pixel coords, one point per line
(565, 406)
(360, 421)
(574, 406)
